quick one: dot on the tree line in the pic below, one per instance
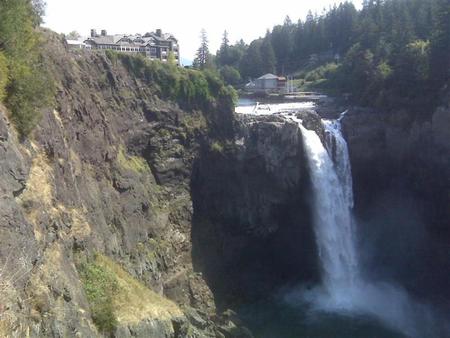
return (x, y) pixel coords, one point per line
(389, 53)
(25, 86)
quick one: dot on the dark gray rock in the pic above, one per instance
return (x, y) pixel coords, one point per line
(252, 224)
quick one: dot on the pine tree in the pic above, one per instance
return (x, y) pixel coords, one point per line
(251, 63)
(223, 57)
(203, 58)
(268, 59)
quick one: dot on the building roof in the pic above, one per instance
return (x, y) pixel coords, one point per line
(106, 39)
(268, 76)
(135, 40)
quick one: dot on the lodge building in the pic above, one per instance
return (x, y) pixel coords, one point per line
(155, 46)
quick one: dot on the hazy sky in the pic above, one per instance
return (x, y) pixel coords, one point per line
(247, 19)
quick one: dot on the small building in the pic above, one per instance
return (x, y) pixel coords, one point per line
(268, 83)
(155, 45)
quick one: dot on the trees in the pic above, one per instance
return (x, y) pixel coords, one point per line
(231, 55)
(440, 46)
(28, 86)
(268, 60)
(203, 57)
(223, 57)
(281, 40)
(74, 35)
(251, 63)
(230, 75)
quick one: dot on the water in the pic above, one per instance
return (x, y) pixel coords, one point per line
(274, 318)
(248, 106)
(345, 304)
(332, 204)
(344, 290)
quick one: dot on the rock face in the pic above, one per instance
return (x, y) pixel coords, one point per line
(195, 211)
(188, 212)
(401, 170)
(252, 229)
(108, 171)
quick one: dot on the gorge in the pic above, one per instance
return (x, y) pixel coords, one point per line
(344, 290)
(192, 221)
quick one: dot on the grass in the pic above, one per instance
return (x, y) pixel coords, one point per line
(117, 298)
(100, 286)
(133, 163)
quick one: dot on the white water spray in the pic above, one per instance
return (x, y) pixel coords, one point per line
(343, 287)
(332, 201)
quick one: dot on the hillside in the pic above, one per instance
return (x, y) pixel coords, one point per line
(106, 173)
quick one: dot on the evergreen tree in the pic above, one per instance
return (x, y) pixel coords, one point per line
(203, 57)
(282, 44)
(223, 57)
(251, 63)
(74, 35)
(268, 60)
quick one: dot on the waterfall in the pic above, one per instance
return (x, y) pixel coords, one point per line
(343, 287)
(332, 211)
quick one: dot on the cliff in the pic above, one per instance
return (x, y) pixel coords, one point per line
(96, 208)
(401, 170)
(142, 206)
(252, 227)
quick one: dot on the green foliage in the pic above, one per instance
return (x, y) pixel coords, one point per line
(191, 89)
(171, 60)
(230, 75)
(267, 56)
(133, 163)
(29, 87)
(321, 72)
(73, 35)
(100, 286)
(203, 58)
(390, 53)
(3, 76)
(231, 55)
(29, 90)
(251, 65)
(217, 147)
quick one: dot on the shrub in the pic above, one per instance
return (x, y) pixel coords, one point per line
(217, 147)
(100, 286)
(29, 90)
(191, 89)
(29, 87)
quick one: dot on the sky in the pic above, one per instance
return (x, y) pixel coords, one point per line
(246, 19)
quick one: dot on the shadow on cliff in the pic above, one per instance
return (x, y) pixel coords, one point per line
(251, 231)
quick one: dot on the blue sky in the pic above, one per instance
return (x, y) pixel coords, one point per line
(247, 19)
